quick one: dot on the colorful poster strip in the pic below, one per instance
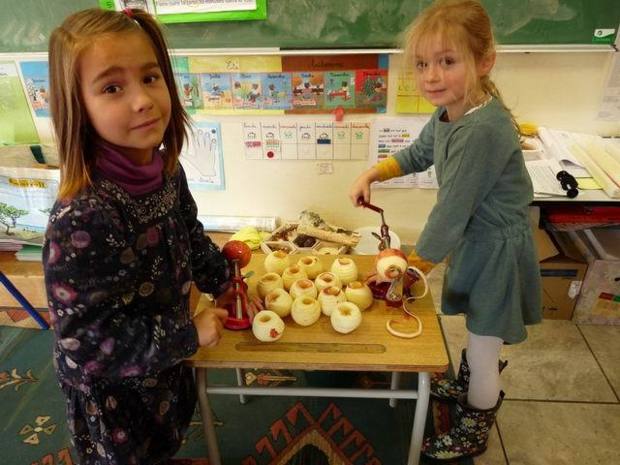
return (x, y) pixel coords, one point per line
(282, 85)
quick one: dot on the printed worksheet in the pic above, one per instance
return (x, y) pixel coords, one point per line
(202, 157)
(316, 140)
(390, 135)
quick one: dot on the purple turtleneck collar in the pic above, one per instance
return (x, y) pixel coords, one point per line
(136, 180)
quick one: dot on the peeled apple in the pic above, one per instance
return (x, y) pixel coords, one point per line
(267, 326)
(346, 317)
(279, 301)
(360, 294)
(277, 261)
(305, 310)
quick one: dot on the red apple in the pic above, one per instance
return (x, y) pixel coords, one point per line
(237, 250)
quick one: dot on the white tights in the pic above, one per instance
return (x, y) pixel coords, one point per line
(483, 359)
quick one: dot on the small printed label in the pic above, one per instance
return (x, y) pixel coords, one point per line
(574, 288)
(603, 36)
(325, 168)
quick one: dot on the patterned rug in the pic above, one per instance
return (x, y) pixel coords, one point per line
(264, 431)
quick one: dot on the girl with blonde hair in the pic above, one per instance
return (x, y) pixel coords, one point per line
(123, 243)
(481, 216)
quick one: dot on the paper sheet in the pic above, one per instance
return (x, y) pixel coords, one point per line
(16, 124)
(557, 144)
(610, 101)
(309, 140)
(542, 173)
(27, 196)
(202, 157)
(390, 135)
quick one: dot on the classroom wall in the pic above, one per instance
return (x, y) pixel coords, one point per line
(560, 90)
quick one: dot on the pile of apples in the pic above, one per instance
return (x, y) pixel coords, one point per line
(304, 290)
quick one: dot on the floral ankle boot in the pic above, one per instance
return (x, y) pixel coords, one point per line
(469, 435)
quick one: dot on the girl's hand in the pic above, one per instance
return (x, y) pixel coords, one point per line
(360, 189)
(209, 324)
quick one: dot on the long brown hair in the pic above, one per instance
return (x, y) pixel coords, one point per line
(464, 25)
(74, 133)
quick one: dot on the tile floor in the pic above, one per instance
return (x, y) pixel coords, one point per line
(562, 385)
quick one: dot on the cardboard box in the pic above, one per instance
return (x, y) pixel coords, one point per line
(562, 269)
(599, 302)
(27, 277)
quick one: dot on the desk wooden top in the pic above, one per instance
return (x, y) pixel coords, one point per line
(319, 347)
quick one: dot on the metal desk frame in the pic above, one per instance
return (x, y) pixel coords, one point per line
(422, 394)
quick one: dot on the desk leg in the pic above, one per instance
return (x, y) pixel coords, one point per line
(242, 399)
(393, 386)
(207, 417)
(419, 419)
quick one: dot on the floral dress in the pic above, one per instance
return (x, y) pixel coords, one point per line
(118, 273)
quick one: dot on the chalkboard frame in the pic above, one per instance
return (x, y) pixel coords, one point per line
(326, 24)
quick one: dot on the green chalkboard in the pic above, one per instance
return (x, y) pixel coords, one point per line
(25, 25)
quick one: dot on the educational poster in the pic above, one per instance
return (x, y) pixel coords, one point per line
(318, 140)
(191, 92)
(180, 63)
(16, 125)
(390, 135)
(229, 84)
(371, 88)
(408, 98)
(236, 84)
(340, 82)
(277, 91)
(216, 91)
(202, 156)
(36, 81)
(248, 91)
(186, 11)
(308, 90)
(340, 89)
(28, 195)
(146, 5)
(166, 7)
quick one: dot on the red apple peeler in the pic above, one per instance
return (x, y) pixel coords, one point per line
(238, 254)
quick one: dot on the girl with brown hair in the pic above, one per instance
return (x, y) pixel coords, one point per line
(123, 243)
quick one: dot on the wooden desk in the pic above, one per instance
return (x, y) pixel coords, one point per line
(318, 347)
